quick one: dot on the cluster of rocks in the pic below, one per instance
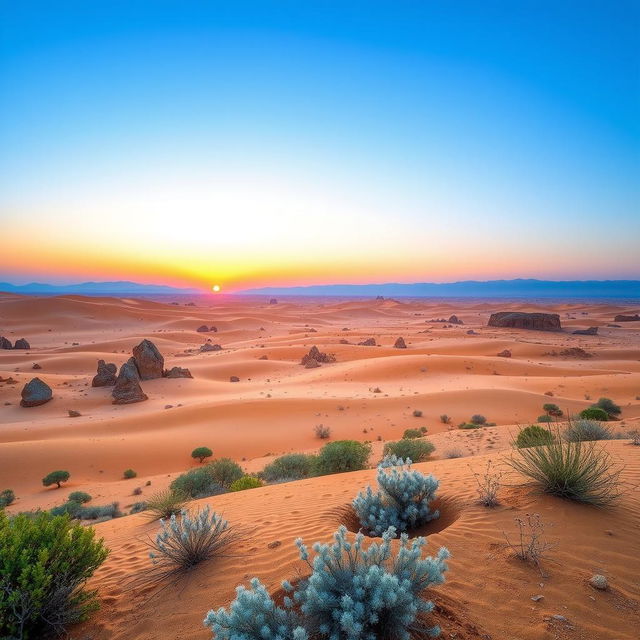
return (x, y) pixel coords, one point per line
(273, 301)
(505, 353)
(453, 319)
(400, 343)
(591, 331)
(5, 343)
(521, 320)
(369, 342)
(315, 357)
(623, 318)
(205, 329)
(208, 346)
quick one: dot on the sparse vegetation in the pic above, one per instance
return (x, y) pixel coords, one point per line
(530, 545)
(413, 449)
(56, 477)
(608, 405)
(7, 497)
(322, 432)
(341, 456)
(478, 419)
(412, 433)
(128, 474)
(224, 471)
(544, 418)
(165, 503)
(200, 453)
(292, 466)
(453, 453)
(445, 419)
(137, 507)
(79, 496)
(417, 413)
(552, 410)
(581, 430)
(488, 485)
(196, 483)
(533, 436)
(45, 561)
(594, 413)
(246, 482)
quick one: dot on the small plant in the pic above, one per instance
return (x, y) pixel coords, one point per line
(292, 466)
(594, 413)
(478, 419)
(635, 437)
(185, 542)
(409, 434)
(341, 456)
(544, 418)
(453, 453)
(246, 482)
(581, 430)
(608, 405)
(469, 425)
(45, 561)
(7, 497)
(79, 496)
(413, 449)
(417, 413)
(445, 419)
(552, 409)
(166, 503)
(322, 432)
(533, 436)
(530, 545)
(402, 500)
(488, 485)
(96, 512)
(137, 507)
(56, 477)
(580, 471)
(196, 483)
(137, 491)
(200, 453)
(224, 472)
(128, 474)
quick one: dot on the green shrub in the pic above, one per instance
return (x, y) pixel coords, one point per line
(581, 471)
(128, 474)
(79, 496)
(165, 503)
(544, 418)
(200, 453)
(445, 419)
(341, 456)
(594, 413)
(6, 498)
(56, 477)
(534, 436)
(95, 512)
(552, 409)
(415, 450)
(478, 419)
(322, 432)
(412, 433)
(137, 507)
(70, 508)
(196, 483)
(417, 413)
(582, 430)
(224, 471)
(45, 561)
(246, 482)
(292, 466)
(612, 409)
(469, 425)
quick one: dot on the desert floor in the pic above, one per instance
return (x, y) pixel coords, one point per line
(274, 408)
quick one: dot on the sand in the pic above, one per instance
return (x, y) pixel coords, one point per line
(274, 409)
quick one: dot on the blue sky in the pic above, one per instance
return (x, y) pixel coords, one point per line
(418, 140)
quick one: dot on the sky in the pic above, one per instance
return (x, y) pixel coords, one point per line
(249, 144)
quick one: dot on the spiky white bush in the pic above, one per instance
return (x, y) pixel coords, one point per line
(402, 500)
(353, 593)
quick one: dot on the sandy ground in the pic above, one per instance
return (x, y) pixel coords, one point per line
(274, 409)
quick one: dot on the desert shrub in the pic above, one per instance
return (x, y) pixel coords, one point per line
(196, 483)
(137, 507)
(7, 497)
(322, 432)
(635, 437)
(200, 453)
(137, 491)
(70, 508)
(79, 496)
(128, 474)
(612, 409)
(594, 413)
(353, 593)
(488, 485)
(414, 450)
(552, 409)
(544, 418)
(56, 477)
(184, 542)
(402, 500)
(224, 471)
(342, 455)
(453, 453)
(417, 413)
(45, 561)
(412, 433)
(533, 436)
(469, 425)
(292, 466)
(246, 482)
(580, 471)
(165, 503)
(97, 512)
(478, 419)
(445, 419)
(586, 430)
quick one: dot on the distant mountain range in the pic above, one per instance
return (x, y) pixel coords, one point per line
(468, 288)
(95, 289)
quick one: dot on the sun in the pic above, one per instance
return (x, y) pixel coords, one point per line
(216, 288)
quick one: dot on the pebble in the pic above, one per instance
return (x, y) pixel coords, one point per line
(538, 597)
(598, 581)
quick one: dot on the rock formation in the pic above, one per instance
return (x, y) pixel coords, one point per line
(623, 318)
(148, 360)
(400, 343)
(520, 320)
(207, 346)
(106, 375)
(234, 379)
(5, 344)
(505, 353)
(273, 301)
(317, 355)
(35, 393)
(177, 372)
(127, 389)
(203, 329)
(369, 342)
(21, 344)
(591, 331)
(455, 320)
(310, 363)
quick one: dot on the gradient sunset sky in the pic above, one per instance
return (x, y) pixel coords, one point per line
(273, 143)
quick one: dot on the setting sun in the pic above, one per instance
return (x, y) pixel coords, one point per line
(216, 288)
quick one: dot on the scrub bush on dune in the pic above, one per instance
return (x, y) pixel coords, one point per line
(293, 466)
(587, 430)
(415, 449)
(341, 456)
(353, 593)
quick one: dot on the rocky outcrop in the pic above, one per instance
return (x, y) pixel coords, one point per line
(35, 393)
(234, 379)
(207, 346)
(21, 344)
(148, 360)
(400, 343)
(203, 329)
(310, 363)
(369, 342)
(591, 331)
(273, 301)
(127, 389)
(106, 375)
(177, 372)
(623, 318)
(5, 343)
(318, 356)
(520, 320)
(455, 320)
(505, 354)
(36, 366)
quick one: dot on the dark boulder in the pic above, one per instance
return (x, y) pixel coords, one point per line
(455, 320)
(591, 331)
(127, 389)
(520, 320)
(21, 344)
(36, 366)
(505, 354)
(203, 329)
(106, 375)
(35, 393)
(317, 355)
(400, 343)
(369, 342)
(273, 301)
(234, 379)
(214, 329)
(622, 318)
(5, 344)
(177, 372)
(207, 346)
(73, 413)
(149, 360)
(310, 363)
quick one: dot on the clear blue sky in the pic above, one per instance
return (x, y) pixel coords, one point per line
(275, 142)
